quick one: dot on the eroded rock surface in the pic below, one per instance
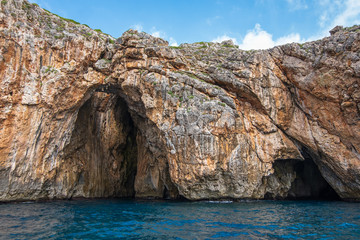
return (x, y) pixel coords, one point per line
(83, 115)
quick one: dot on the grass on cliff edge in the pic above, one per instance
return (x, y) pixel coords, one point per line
(76, 22)
(65, 19)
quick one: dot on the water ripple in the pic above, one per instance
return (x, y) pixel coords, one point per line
(117, 219)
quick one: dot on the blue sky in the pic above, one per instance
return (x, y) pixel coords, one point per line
(257, 24)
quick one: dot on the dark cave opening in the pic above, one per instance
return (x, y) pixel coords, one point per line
(129, 149)
(109, 154)
(103, 149)
(308, 183)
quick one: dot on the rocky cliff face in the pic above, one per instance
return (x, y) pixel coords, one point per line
(83, 115)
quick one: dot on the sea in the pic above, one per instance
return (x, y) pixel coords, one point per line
(140, 219)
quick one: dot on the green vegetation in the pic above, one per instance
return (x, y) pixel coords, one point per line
(154, 83)
(62, 25)
(203, 45)
(25, 6)
(191, 97)
(302, 46)
(171, 93)
(107, 60)
(205, 73)
(59, 29)
(181, 99)
(230, 46)
(351, 28)
(59, 36)
(69, 20)
(3, 2)
(222, 104)
(191, 75)
(39, 80)
(50, 69)
(62, 18)
(34, 4)
(176, 47)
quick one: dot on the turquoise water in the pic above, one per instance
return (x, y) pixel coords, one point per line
(120, 219)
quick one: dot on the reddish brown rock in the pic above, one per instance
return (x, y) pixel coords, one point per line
(83, 115)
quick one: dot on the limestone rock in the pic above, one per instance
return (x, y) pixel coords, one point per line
(83, 115)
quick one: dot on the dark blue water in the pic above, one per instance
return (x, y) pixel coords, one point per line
(119, 219)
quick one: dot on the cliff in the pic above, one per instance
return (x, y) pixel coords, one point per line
(85, 115)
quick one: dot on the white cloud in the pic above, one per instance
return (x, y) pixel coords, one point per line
(293, 37)
(224, 38)
(350, 16)
(173, 42)
(137, 27)
(337, 12)
(156, 34)
(163, 35)
(297, 4)
(258, 38)
(333, 13)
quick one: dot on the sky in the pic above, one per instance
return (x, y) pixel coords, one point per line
(257, 24)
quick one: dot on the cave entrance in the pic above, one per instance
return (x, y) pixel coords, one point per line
(102, 152)
(306, 179)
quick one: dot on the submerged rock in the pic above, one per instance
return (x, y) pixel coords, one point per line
(85, 115)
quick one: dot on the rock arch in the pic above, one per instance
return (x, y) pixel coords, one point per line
(108, 155)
